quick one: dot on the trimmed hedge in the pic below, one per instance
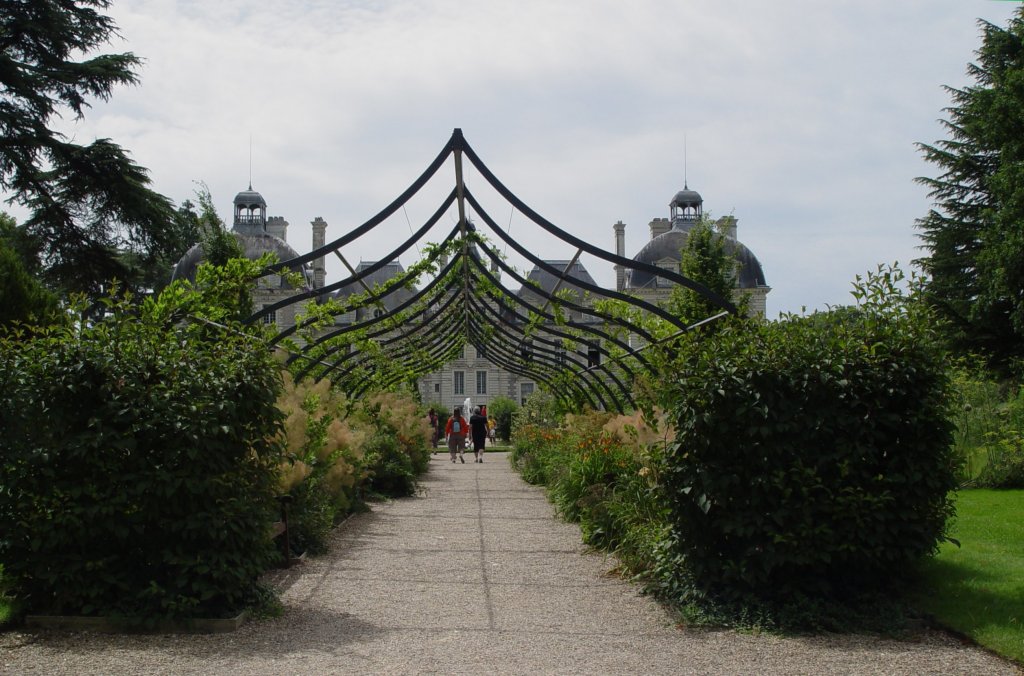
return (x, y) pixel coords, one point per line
(139, 465)
(813, 454)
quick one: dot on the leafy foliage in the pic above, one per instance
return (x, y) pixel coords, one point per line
(139, 462)
(542, 409)
(813, 454)
(22, 298)
(398, 443)
(598, 479)
(975, 233)
(704, 259)
(502, 410)
(989, 418)
(89, 203)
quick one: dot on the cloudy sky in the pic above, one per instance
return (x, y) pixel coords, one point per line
(799, 117)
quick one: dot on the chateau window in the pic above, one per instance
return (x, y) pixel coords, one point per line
(525, 390)
(437, 387)
(459, 382)
(270, 317)
(481, 382)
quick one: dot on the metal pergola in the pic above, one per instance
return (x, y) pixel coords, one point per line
(583, 361)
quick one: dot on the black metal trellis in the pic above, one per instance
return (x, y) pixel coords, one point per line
(408, 341)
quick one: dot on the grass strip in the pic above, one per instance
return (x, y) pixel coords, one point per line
(977, 589)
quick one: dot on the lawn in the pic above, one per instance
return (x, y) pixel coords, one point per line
(978, 588)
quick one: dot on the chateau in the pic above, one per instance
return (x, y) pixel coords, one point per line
(471, 374)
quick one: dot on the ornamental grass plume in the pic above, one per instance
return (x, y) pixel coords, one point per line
(403, 413)
(292, 474)
(637, 431)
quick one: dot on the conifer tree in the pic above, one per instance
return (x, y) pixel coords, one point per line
(90, 204)
(974, 234)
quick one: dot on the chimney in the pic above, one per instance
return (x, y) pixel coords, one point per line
(727, 226)
(620, 250)
(659, 226)
(278, 227)
(319, 238)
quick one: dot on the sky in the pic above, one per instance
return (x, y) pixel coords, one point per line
(798, 117)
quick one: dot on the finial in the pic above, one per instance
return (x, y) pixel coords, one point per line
(686, 185)
(250, 161)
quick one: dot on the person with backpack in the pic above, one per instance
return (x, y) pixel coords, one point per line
(455, 430)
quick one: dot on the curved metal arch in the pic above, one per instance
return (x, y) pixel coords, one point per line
(401, 355)
(460, 145)
(380, 217)
(365, 384)
(358, 277)
(483, 325)
(538, 375)
(399, 308)
(498, 323)
(373, 299)
(555, 300)
(508, 351)
(512, 345)
(540, 312)
(442, 343)
(453, 298)
(544, 265)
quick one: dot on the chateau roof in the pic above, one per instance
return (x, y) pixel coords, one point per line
(392, 269)
(671, 244)
(254, 245)
(547, 281)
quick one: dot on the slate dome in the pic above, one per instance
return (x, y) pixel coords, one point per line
(253, 246)
(686, 197)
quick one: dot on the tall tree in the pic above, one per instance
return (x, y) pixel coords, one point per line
(975, 232)
(90, 204)
(22, 298)
(706, 259)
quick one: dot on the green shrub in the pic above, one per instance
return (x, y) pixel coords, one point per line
(139, 465)
(501, 410)
(1005, 461)
(397, 450)
(813, 455)
(541, 409)
(989, 417)
(604, 482)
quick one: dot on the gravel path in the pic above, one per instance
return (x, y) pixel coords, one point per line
(474, 576)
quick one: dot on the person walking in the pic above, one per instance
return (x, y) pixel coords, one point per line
(456, 431)
(478, 426)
